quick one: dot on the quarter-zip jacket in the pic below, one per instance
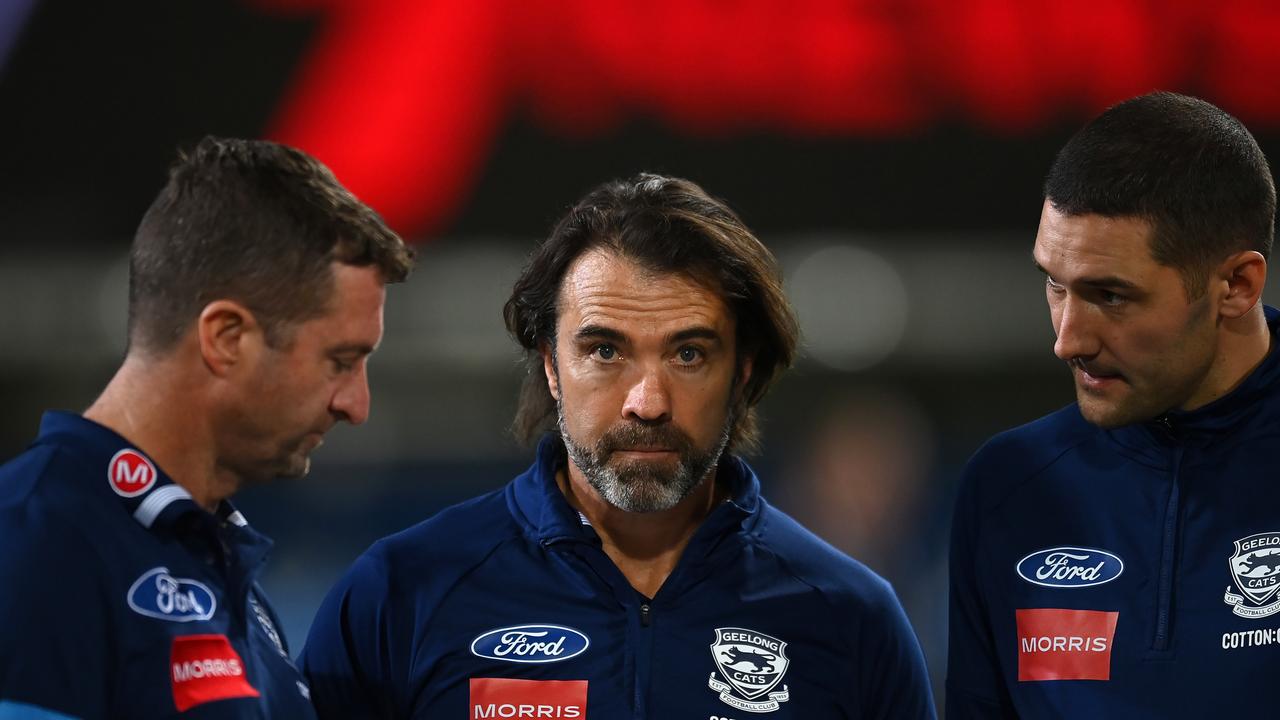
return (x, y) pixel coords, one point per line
(120, 597)
(507, 607)
(1126, 573)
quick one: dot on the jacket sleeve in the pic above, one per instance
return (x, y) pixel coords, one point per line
(975, 683)
(55, 636)
(896, 681)
(353, 658)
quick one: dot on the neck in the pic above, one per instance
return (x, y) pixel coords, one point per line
(1243, 344)
(644, 546)
(150, 402)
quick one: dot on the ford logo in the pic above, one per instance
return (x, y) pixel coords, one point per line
(530, 644)
(160, 595)
(1070, 567)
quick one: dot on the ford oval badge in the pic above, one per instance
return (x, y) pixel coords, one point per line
(530, 644)
(160, 595)
(1070, 567)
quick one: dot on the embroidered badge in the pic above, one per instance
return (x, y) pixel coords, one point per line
(530, 644)
(751, 665)
(159, 595)
(1255, 569)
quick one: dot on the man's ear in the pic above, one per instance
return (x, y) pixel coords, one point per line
(226, 332)
(549, 368)
(1244, 275)
(745, 366)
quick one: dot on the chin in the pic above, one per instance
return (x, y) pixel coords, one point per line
(1111, 415)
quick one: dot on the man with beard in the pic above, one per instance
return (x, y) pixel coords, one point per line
(256, 287)
(633, 571)
(1092, 547)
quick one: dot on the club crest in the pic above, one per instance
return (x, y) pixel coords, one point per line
(1255, 569)
(751, 665)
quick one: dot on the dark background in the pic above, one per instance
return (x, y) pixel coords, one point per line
(906, 242)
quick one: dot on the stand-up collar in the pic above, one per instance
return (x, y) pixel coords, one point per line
(1244, 406)
(128, 474)
(537, 502)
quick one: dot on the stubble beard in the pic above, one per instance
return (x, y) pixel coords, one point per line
(1153, 396)
(643, 487)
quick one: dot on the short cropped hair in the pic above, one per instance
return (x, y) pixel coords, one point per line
(666, 225)
(1183, 165)
(252, 221)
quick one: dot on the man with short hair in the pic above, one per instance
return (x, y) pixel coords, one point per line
(256, 290)
(1092, 547)
(633, 571)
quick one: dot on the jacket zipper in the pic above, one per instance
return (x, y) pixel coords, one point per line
(1168, 558)
(643, 660)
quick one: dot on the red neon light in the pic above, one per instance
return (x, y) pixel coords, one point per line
(403, 98)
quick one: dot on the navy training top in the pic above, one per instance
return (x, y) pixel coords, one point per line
(506, 606)
(122, 598)
(1128, 573)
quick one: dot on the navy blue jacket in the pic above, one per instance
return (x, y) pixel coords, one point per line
(122, 598)
(1129, 573)
(506, 606)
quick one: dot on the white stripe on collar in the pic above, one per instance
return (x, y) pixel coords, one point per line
(157, 501)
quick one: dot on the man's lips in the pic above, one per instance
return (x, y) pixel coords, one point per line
(1096, 377)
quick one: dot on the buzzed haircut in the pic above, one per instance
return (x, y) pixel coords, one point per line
(665, 225)
(255, 222)
(1183, 165)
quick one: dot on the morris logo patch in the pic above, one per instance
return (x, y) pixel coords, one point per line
(1255, 569)
(751, 665)
(160, 595)
(1070, 567)
(530, 644)
(205, 668)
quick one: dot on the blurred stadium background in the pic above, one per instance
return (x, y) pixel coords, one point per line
(890, 151)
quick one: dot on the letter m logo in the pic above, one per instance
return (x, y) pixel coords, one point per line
(130, 473)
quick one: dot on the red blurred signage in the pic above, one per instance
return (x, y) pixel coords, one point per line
(404, 98)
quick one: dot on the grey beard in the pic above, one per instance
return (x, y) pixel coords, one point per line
(643, 487)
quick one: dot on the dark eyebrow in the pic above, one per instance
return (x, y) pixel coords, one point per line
(599, 332)
(1106, 281)
(695, 333)
(352, 349)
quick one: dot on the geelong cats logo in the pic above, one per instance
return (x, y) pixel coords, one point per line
(751, 665)
(1255, 568)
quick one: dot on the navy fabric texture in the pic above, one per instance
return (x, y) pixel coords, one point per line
(121, 606)
(1172, 525)
(757, 610)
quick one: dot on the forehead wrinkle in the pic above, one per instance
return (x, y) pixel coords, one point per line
(1100, 251)
(606, 291)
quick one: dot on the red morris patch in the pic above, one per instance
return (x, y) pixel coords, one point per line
(130, 473)
(204, 668)
(519, 699)
(1058, 644)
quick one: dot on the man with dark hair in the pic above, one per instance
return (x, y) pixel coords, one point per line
(256, 289)
(1092, 547)
(634, 570)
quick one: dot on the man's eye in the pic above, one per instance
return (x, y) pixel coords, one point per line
(1112, 299)
(605, 352)
(341, 366)
(689, 355)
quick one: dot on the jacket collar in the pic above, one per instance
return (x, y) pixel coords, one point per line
(538, 504)
(128, 474)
